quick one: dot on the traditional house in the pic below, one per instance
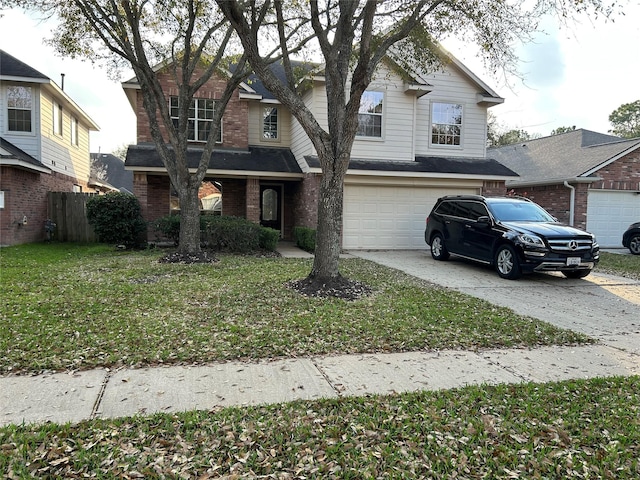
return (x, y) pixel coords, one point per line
(583, 178)
(44, 147)
(422, 135)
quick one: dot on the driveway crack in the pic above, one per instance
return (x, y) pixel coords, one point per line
(96, 405)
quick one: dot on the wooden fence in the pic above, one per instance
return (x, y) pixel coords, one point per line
(69, 212)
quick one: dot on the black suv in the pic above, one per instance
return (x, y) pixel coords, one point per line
(513, 234)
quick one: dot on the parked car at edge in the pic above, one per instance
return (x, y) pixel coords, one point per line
(631, 238)
(513, 234)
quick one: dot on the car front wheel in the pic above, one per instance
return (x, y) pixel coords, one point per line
(438, 250)
(634, 244)
(506, 262)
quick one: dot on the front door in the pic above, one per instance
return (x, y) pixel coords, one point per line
(271, 206)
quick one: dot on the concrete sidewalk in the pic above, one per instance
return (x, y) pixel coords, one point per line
(76, 396)
(72, 397)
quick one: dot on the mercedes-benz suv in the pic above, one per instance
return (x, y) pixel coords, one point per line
(513, 234)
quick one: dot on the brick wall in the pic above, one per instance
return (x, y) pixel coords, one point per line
(494, 188)
(235, 122)
(623, 174)
(25, 195)
(556, 199)
(306, 201)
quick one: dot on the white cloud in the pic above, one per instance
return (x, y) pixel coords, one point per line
(101, 98)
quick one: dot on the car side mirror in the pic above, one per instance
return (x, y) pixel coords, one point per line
(484, 221)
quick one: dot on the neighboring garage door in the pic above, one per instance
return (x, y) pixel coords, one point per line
(609, 213)
(383, 217)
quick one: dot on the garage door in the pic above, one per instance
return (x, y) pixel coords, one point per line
(382, 217)
(609, 213)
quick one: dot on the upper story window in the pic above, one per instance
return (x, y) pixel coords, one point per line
(57, 118)
(19, 108)
(74, 131)
(370, 115)
(446, 123)
(200, 118)
(270, 123)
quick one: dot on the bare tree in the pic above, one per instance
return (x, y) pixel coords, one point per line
(353, 37)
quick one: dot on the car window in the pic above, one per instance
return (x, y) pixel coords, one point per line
(445, 208)
(519, 212)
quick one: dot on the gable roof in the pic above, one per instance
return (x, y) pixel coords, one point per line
(14, 70)
(116, 175)
(575, 156)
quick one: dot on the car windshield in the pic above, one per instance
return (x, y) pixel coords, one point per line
(519, 212)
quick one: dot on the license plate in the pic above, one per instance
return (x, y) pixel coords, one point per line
(573, 261)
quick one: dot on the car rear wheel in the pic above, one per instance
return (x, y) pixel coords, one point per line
(634, 244)
(438, 250)
(506, 262)
(576, 273)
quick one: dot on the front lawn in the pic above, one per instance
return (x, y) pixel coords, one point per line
(67, 306)
(587, 429)
(616, 264)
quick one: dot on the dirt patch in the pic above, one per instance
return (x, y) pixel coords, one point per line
(339, 287)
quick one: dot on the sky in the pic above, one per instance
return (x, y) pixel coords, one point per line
(572, 76)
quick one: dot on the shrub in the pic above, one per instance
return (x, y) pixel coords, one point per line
(168, 227)
(226, 234)
(305, 238)
(117, 219)
(269, 238)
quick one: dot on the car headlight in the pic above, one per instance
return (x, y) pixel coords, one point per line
(531, 240)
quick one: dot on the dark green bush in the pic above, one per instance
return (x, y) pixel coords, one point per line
(117, 219)
(224, 234)
(305, 238)
(269, 238)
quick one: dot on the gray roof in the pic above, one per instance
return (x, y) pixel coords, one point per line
(19, 154)
(562, 157)
(116, 175)
(256, 159)
(10, 66)
(424, 164)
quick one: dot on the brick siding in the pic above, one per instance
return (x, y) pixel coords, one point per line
(25, 195)
(235, 121)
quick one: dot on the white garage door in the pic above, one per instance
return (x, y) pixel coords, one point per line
(381, 217)
(609, 213)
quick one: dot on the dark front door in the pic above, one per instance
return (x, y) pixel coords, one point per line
(271, 206)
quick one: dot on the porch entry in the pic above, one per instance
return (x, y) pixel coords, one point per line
(271, 206)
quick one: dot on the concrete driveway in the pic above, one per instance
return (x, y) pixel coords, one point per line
(602, 306)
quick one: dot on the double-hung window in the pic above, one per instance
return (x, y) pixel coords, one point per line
(74, 131)
(19, 108)
(370, 115)
(57, 118)
(270, 123)
(200, 118)
(446, 124)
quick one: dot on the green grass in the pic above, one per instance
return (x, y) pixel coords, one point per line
(575, 429)
(78, 307)
(616, 264)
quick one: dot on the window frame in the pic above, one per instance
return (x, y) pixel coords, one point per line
(58, 119)
(195, 119)
(74, 131)
(449, 128)
(263, 124)
(31, 110)
(359, 133)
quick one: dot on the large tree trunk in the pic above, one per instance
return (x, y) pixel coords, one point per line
(189, 242)
(328, 234)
